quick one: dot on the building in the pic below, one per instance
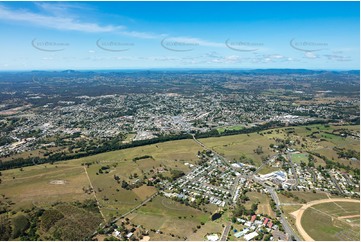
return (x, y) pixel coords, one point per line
(265, 221)
(250, 236)
(241, 233)
(212, 237)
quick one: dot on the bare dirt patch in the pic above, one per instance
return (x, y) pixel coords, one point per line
(58, 182)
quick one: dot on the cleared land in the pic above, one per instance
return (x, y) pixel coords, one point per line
(264, 203)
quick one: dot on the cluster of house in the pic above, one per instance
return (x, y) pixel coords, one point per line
(212, 180)
(243, 167)
(254, 227)
(345, 182)
(313, 179)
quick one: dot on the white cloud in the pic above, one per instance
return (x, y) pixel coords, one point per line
(54, 22)
(311, 55)
(58, 17)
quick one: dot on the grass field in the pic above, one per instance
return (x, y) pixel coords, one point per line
(310, 196)
(210, 227)
(169, 216)
(291, 219)
(44, 184)
(298, 158)
(33, 185)
(232, 147)
(268, 169)
(323, 222)
(235, 127)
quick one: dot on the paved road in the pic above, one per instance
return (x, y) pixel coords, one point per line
(225, 232)
(293, 170)
(336, 184)
(287, 227)
(225, 161)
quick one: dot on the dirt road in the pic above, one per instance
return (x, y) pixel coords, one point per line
(298, 214)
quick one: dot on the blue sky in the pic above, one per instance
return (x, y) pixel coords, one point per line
(126, 35)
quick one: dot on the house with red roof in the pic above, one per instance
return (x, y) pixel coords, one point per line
(265, 221)
(270, 224)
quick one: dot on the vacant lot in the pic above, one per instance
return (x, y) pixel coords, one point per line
(268, 169)
(264, 203)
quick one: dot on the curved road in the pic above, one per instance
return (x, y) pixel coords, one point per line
(298, 214)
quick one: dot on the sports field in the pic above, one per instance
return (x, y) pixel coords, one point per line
(333, 221)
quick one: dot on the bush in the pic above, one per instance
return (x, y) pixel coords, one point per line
(20, 224)
(49, 218)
